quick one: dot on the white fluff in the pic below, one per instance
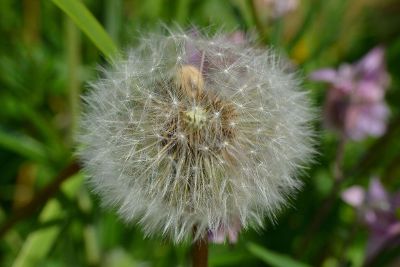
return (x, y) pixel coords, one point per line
(174, 179)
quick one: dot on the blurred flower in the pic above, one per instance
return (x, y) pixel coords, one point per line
(276, 8)
(355, 102)
(378, 210)
(237, 37)
(226, 232)
(196, 134)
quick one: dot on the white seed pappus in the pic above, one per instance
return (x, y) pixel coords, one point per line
(194, 132)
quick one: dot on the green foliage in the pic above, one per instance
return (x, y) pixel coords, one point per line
(44, 66)
(89, 25)
(272, 258)
(23, 145)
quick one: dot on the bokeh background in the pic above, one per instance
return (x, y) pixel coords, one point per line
(348, 213)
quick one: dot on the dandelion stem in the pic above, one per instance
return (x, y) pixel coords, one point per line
(200, 253)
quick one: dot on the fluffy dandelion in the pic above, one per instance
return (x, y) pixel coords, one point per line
(192, 134)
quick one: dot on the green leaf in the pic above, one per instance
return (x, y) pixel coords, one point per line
(118, 257)
(89, 25)
(38, 243)
(23, 145)
(272, 258)
(229, 259)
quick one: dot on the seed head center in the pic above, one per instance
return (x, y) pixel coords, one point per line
(196, 118)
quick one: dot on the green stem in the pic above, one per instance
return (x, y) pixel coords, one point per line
(73, 61)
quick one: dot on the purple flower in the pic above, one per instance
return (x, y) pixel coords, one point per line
(377, 210)
(195, 56)
(277, 8)
(355, 103)
(222, 233)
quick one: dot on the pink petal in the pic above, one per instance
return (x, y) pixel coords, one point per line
(373, 61)
(376, 192)
(277, 8)
(379, 110)
(369, 91)
(376, 128)
(325, 75)
(217, 237)
(346, 78)
(354, 196)
(369, 123)
(346, 72)
(284, 6)
(237, 37)
(233, 235)
(370, 217)
(366, 119)
(355, 124)
(394, 229)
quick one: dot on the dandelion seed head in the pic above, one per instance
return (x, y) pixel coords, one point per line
(211, 134)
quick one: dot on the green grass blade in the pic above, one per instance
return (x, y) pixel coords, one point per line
(89, 25)
(272, 258)
(23, 145)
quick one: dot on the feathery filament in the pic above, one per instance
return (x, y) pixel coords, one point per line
(195, 132)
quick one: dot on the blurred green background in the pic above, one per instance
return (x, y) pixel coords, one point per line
(49, 50)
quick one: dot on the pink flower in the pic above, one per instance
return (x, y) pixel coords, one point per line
(195, 57)
(355, 102)
(277, 8)
(377, 210)
(232, 234)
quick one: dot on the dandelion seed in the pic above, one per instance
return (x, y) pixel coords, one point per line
(175, 156)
